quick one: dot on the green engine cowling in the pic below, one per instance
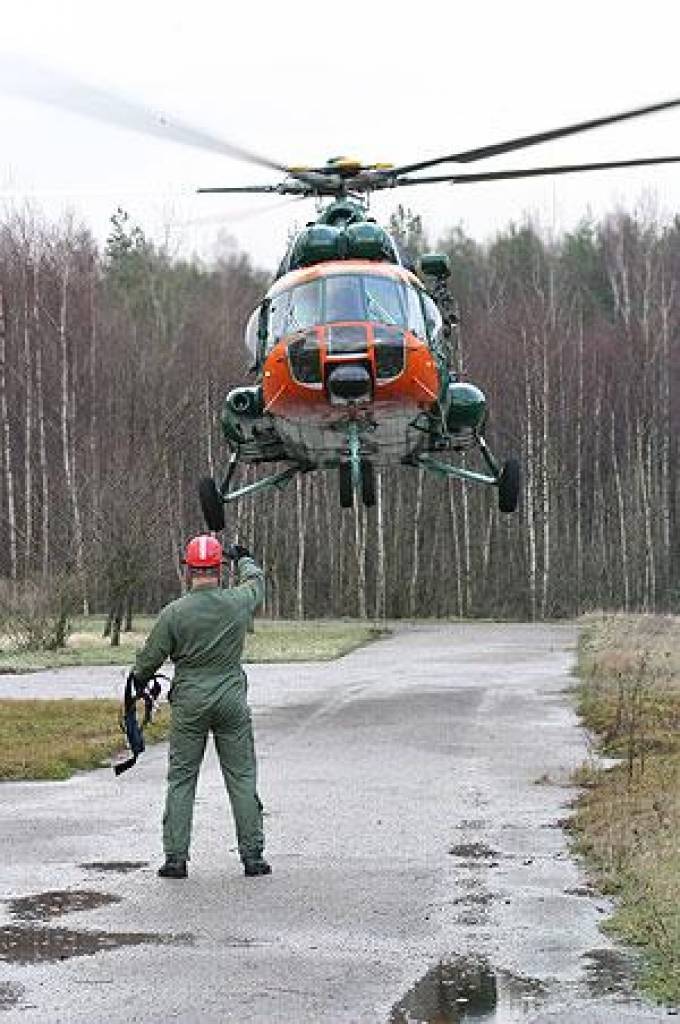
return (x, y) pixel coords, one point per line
(240, 408)
(317, 244)
(465, 407)
(320, 243)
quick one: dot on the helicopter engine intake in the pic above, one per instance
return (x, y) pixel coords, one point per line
(245, 401)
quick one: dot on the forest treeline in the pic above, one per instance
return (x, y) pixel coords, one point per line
(114, 364)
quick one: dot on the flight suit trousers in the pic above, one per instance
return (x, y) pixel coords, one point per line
(228, 718)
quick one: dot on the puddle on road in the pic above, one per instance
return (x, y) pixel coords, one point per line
(463, 990)
(120, 867)
(32, 945)
(478, 899)
(477, 851)
(9, 995)
(31, 941)
(44, 905)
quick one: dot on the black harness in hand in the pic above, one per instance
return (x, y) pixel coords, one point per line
(135, 690)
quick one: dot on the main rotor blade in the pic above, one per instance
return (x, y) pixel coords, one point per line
(244, 215)
(240, 188)
(524, 141)
(300, 186)
(534, 172)
(20, 76)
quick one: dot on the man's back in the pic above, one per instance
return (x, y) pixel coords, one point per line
(203, 633)
(209, 628)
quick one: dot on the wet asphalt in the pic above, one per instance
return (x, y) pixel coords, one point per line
(413, 791)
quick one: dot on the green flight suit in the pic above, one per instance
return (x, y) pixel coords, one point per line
(203, 634)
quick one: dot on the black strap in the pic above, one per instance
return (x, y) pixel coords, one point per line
(149, 692)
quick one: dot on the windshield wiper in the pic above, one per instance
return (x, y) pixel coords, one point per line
(387, 318)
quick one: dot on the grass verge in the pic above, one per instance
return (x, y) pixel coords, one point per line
(272, 641)
(52, 739)
(627, 823)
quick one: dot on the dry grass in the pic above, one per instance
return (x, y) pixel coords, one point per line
(272, 641)
(628, 821)
(52, 739)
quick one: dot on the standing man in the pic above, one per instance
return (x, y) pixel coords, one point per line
(203, 634)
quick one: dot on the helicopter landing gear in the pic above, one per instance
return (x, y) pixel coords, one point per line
(508, 486)
(367, 481)
(212, 506)
(346, 485)
(356, 473)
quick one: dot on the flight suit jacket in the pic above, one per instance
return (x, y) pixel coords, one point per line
(203, 633)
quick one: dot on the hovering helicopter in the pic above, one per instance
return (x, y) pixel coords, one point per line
(354, 356)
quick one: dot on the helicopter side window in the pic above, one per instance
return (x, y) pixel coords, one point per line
(416, 321)
(384, 301)
(296, 310)
(433, 319)
(252, 339)
(344, 298)
(305, 307)
(278, 315)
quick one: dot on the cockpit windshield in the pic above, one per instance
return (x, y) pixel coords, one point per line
(346, 298)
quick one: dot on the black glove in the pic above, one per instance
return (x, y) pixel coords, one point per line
(236, 551)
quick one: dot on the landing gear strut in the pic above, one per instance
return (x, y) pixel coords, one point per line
(506, 477)
(214, 498)
(356, 473)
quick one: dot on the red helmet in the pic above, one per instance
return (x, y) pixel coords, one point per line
(203, 552)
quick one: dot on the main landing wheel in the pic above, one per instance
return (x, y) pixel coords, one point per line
(346, 487)
(508, 486)
(212, 505)
(367, 483)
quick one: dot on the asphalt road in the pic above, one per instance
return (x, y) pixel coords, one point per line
(413, 792)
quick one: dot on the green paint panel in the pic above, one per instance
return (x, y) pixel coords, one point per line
(231, 428)
(366, 241)
(466, 406)
(317, 244)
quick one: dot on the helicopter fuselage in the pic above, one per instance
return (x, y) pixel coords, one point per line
(348, 342)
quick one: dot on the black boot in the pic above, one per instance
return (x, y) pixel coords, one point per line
(256, 866)
(174, 867)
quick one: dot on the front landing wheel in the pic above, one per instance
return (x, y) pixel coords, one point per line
(367, 483)
(508, 486)
(346, 485)
(212, 505)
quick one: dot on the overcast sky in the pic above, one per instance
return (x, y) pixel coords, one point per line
(305, 81)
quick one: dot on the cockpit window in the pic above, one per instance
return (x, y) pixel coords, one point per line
(295, 310)
(384, 300)
(345, 298)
